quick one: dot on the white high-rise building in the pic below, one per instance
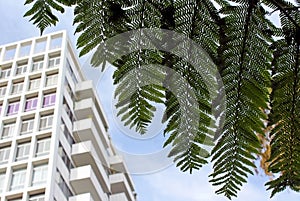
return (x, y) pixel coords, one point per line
(54, 143)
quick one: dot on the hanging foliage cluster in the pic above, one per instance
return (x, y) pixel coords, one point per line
(258, 62)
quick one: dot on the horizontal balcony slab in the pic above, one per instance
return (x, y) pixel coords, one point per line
(117, 164)
(119, 184)
(83, 180)
(85, 130)
(85, 109)
(118, 197)
(86, 90)
(82, 197)
(83, 154)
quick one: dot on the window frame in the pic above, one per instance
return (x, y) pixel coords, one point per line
(45, 145)
(51, 80)
(37, 65)
(55, 60)
(3, 91)
(20, 181)
(5, 72)
(17, 88)
(39, 197)
(50, 99)
(15, 110)
(33, 104)
(2, 184)
(23, 68)
(30, 124)
(34, 84)
(4, 155)
(10, 127)
(47, 126)
(41, 177)
(15, 199)
(25, 151)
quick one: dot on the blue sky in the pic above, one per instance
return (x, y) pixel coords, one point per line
(164, 185)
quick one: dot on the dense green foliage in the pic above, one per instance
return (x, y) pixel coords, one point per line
(259, 64)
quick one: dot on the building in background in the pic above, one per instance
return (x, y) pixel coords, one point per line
(54, 143)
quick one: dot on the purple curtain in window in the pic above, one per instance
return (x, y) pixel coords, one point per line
(16, 109)
(13, 108)
(34, 102)
(53, 98)
(28, 105)
(31, 104)
(49, 100)
(46, 100)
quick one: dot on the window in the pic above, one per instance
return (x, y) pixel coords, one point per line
(62, 184)
(40, 197)
(53, 62)
(5, 73)
(49, 100)
(2, 179)
(69, 67)
(25, 49)
(13, 108)
(65, 157)
(55, 42)
(69, 90)
(51, 80)
(39, 176)
(16, 199)
(43, 147)
(4, 155)
(27, 126)
(23, 151)
(2, 91)
(68, 110)
(21, 69)
(18, 179)
(46, 122)
(10, 53)
(31, 104)
(17, 88)
(34, 84)
(37, 65)
(8, 130)
(40, 45)
(67, 133)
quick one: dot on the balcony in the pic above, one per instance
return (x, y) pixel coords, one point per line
(117, 164)
(85, 197)
(119, 184)
(85, 130)
(118, 197)
(85, 90)
(83, 180)
(86, 109)
(84, 154)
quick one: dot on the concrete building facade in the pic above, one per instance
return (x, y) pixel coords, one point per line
(54, 143)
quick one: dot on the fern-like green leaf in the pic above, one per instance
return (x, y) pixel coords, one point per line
(246, 79)
(285, 141)
(42, 11)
